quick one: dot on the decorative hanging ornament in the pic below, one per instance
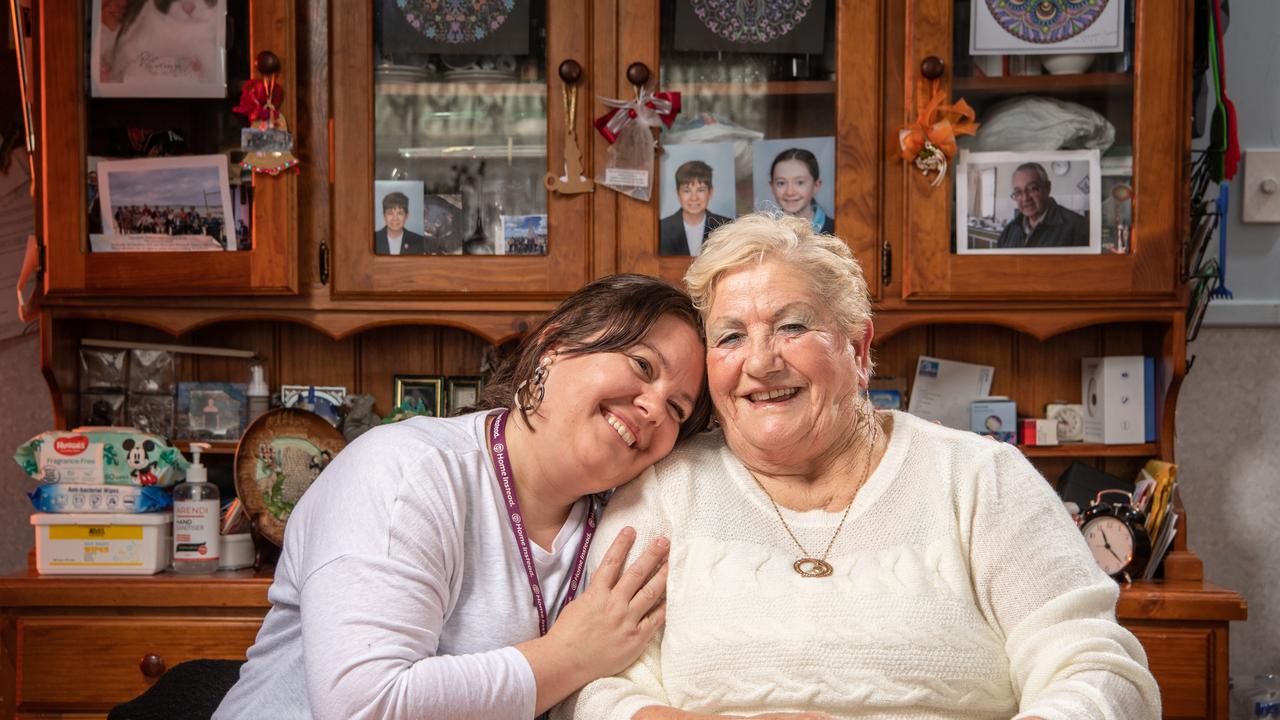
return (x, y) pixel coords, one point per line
(267, 142)
(930, 141)
(629, 159)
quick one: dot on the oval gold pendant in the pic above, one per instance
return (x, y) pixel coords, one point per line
(812, 567)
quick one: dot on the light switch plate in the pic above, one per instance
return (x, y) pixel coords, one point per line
(1261, 174)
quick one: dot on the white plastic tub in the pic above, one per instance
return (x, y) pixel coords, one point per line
(103, 543)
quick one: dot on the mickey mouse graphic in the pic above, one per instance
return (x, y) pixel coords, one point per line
(136, 457)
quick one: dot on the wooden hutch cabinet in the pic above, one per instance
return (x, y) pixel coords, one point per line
(320, 300)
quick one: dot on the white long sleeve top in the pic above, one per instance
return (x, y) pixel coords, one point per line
(400, 590)
(961, 590)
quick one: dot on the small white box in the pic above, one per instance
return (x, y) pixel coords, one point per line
(103, 543)
(1114, 392)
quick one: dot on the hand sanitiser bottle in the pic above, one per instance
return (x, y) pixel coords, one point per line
(195, 519)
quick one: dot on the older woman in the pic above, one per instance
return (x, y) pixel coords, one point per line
(837, 561)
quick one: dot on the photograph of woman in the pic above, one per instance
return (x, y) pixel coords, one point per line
(788, 176)
(428, 570)
(838, 561)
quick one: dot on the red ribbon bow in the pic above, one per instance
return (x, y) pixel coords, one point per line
(648, 108)
(258, 101)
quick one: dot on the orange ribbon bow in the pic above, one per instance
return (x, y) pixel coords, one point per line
(931, 140)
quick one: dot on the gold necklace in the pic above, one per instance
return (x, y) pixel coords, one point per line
(818, 567)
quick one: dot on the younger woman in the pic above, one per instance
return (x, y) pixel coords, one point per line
(423, 571)
(795, 182)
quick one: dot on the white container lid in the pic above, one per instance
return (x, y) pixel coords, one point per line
(134, 519)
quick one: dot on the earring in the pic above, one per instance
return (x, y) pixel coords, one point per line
(535, 389)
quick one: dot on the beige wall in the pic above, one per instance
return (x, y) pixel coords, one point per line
(26, 412)
(1228, 453)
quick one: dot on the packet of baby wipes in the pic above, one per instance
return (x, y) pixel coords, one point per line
(101, 456)
(70, 498)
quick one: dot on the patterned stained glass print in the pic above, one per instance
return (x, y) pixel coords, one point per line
(751, 21)
(1045, 21)
(456, 21)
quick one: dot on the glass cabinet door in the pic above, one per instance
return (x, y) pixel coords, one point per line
(139, 147)
(777, 114)
(448, 131)
(1071, 186)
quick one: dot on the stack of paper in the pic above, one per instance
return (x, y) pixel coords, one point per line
(1154, 494)
(943, 390)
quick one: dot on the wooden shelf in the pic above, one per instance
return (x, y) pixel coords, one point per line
(461, 89)
(1046, 84)
(1090, 450)
(216, 447)
(773, 87)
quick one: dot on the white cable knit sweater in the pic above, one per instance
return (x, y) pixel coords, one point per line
(961, 590)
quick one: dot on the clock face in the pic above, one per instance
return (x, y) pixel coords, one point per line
(1111, 542)
(1070, 421)
(1060, 167)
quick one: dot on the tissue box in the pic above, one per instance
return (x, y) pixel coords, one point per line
(106, 544)
(997, 417)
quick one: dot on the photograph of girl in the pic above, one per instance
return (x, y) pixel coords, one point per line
(788, 175)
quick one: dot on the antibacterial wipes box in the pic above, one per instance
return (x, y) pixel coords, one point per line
(102, 544)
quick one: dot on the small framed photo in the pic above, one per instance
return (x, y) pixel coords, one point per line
(323, 400)
(158, 49)
(1046, 28)
(1032, 203)
(796, 176)
(398, 218)
(696, 189)
(211, 411)
(462, 391)
(523, 235)
(423, 394)
(170, 204)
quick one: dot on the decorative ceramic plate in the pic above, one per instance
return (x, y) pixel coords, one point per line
(456, 21)
(278, 458)
(1045, 21)
(750, 21)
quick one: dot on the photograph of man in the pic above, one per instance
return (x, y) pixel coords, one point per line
(682, 232)
(393, 238)
(1040, 220)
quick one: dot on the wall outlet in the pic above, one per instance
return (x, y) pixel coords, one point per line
(1261, 187)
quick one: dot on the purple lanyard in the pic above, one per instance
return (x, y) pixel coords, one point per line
(498, 450)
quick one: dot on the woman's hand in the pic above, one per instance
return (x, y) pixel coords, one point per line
(605, 628)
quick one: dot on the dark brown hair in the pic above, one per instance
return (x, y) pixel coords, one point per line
(607, 315)
(693, 171)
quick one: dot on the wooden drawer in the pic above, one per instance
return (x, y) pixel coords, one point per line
(88, 662)
(1182, 659)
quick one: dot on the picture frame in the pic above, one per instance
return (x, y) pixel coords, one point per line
(989, 201)
(426, 390)
(151, 53)
(165, 204)
(719, 203)
(462, 391)
(997, 28)
(211, 411)
(523, 235)
(779, 26)
(323, 400)
(763, 154)
(387, 196)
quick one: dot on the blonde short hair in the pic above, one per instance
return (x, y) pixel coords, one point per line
(834, 274)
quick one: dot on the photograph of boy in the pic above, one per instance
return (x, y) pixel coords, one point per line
(682, 232)
(1040, 220)
(393, 238)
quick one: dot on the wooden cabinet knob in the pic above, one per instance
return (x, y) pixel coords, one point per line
(268, 63)
(637, 73)
(570, 72)
(152, 666)
(932, 67)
